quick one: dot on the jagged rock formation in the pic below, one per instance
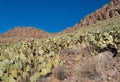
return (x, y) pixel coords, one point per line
(18, 34)
(107, 11)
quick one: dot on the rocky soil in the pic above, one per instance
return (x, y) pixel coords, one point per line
(80, 66)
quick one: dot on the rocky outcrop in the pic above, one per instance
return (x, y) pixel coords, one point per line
(108, 11)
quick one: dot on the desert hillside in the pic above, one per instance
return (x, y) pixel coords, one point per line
(86, 55)
(22, 33)
(88, 52)
(107, 11)
(19, 34)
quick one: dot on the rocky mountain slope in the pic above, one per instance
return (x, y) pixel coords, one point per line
(19, 34)
(107, 11)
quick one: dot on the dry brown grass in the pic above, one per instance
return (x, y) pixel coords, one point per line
(94, 67)
(60, 73)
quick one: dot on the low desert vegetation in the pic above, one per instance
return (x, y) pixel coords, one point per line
(81, 56)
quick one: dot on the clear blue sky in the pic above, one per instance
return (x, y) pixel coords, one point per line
(48, 15)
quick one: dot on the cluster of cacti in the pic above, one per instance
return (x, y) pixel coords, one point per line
(25, 60)
(28, 60)
(100, 38)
